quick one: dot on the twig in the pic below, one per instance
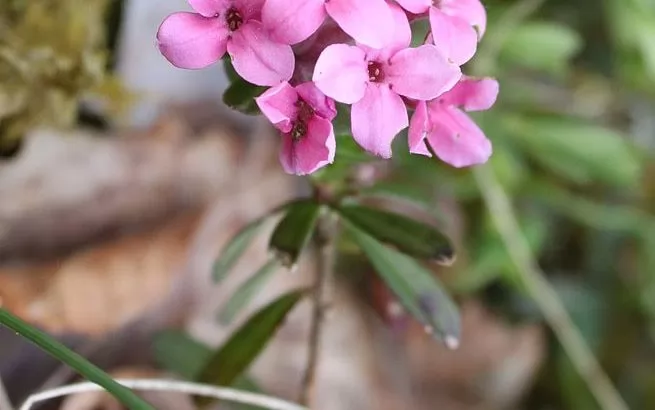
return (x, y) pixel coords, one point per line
(5, 404)
(543, 294)
(326, 233)
(221, 393)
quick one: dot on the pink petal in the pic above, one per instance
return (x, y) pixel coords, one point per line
(377, 118)
(455, 138)
(311, 152)
(209, 8)
(367, 21)
(249, 9)
(419, 128)
(471, 11)
(322, 105)
(257, 58)
(189, 40)
(292, 21)
(421, 73)
(341, 72)
(278, 105)
(456, 38)
(473, 94)
(415, 6)
(402, 31)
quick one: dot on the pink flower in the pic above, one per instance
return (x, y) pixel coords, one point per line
(196, 40)
(452, 134)
(292, 21)
(303, 115)
(374, 81)
(456, 25)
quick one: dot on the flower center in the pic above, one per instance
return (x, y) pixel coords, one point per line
(305, 111)
(234, 19)
(299, 130)
(375, 73)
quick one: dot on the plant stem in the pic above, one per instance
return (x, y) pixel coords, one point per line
(5, 404)
(72, 359)
(326, 238)
(197, 389)
(584, 361)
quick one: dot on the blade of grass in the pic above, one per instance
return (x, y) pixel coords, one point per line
(75, 361)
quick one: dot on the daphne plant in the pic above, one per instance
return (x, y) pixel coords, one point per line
(325, 74)
(353, 53)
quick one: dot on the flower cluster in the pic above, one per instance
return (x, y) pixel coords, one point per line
(355, 52)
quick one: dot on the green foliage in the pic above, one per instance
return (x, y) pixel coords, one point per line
(244, 294)
(229, 362)
(414, 238)
(177, 352)
(234, 249)
(293, 232)
(416, 287)
(72, 359)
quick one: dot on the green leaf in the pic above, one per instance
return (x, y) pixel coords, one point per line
(579, 151)
(177, 352)
(545, 46)
(293, 232)
(241, 349)
(75, 361)
(240, 96)
(234, 249)
(416, 288)
(230, 72)
(409, 236)
(420, 30)
(247, 291)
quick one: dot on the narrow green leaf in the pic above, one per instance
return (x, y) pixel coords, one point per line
(75, 361)
(416, 288)
(294, 231)
(176, 351)
(409, 236)
(247, 291)
(241, 349)
(235, 248)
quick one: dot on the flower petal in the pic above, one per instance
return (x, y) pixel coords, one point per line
(189, 40)
(415, 6)
(471, 11)
(209, 8)
(419, 128)
(292, 21)
(249, 9)
(341, 72)
(278, 105)
(315, 150)
(473, 94)
(455, 138)
(363, 20)
(421, 73)
(322, 105)
(402, 36)
(456, 38)
(257, 58)
(377, 118)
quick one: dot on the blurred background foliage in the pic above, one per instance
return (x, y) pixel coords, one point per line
(574, 143)
(573, 134)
